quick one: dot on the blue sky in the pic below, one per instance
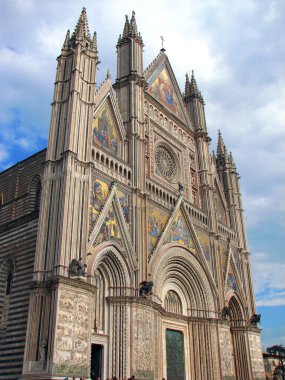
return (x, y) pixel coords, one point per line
(237, 50)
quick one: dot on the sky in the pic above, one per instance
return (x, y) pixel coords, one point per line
(237, 51)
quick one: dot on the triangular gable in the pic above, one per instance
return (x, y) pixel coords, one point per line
(179, 233)
(111, 226)
(164, 88)
(179, 230)
(110, 229)
(107, 131)
(232, 282)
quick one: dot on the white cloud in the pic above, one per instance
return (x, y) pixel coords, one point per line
(269, 280)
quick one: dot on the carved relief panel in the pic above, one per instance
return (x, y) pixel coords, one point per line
(226, 352)
(256, 356)
(144, 343)
(72, 339)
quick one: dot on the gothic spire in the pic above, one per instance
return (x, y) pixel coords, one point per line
(82, 28)
(66, 41)
(130, 30)
(133, 25)
(187, 86)
(191, 89)
(126, 28)
(194, 91)
(221, 148)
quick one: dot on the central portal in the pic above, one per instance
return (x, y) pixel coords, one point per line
(175, 355)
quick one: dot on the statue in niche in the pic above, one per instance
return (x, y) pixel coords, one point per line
(42, 351)
(146, 288)
(77, 268)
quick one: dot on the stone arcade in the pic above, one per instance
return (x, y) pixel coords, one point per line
(123, 244)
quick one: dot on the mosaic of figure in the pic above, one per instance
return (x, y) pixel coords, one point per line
(162, 89)
(155, 224)
(100, 192)
(204, 243)
(231, 281)
(110, 229)
(123, 198)
(179, 233)
(104, 130)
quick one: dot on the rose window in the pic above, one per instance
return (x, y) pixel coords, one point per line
(165, 163)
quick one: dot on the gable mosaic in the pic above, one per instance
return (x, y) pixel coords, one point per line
(105, 131)
(179, 233)
(161, 87)
(110, 230)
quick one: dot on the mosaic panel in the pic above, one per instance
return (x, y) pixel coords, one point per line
(231, 283)
(156, 220)
(179, 233)
(100, 191)
(124, 202)
(205, 245)
(110, 229)
(105, 131)
(162, 89)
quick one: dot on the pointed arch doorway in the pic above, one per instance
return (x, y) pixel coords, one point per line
(239, 340)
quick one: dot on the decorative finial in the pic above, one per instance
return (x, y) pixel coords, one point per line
(162, 47)
(108, 75)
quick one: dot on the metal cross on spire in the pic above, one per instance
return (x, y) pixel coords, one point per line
(162, 40)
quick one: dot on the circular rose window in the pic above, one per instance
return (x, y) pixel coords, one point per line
(165, 163)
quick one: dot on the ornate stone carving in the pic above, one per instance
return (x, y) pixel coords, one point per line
(143, 340)
(256, 356)
(226, 351)
(73, 329)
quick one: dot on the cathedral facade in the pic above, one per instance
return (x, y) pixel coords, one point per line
(123, 244)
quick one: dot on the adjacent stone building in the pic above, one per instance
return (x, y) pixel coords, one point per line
(123, 244)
